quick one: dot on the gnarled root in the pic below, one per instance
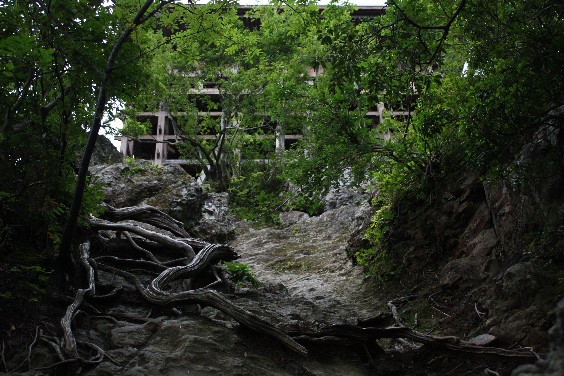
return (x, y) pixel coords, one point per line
(197, 258)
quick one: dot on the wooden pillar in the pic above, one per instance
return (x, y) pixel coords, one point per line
(123, 147)
(388, 135)
(280, 139)
(381, 110)
(160, 147)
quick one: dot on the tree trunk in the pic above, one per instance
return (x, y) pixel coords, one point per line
(65, 260)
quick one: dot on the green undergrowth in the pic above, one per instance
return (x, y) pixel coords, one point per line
(135, 168)
(257, 194)
(241, 274)
(24, 283)
(398, 193)
(301, 264)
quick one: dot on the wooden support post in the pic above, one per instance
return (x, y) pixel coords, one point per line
(160, 147)
(381, 110)
(123, 147)
(280, 139)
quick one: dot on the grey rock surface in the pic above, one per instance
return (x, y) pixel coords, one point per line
(308, 257)
(342, 196)
(216, 223)
(105, 152)
(553, 365)
(170, 189)
(207, 342)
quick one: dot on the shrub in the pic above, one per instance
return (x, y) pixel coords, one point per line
(241, 274)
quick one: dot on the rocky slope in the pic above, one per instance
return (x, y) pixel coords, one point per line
(306, 281)
(465, 268)
(307, 255)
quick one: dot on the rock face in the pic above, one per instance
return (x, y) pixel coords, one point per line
(478, 253)
(212, 344)
(307, 255)
(105, 152)
(484, 256)
(323, 288)
(170, 189)
(553, 365)
(216, 221)
(342, 196)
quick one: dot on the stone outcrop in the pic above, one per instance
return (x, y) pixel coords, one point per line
(485, 256)
(307, 255)
(170, 189)
(553, 365)
(105, 152)
(216, 221)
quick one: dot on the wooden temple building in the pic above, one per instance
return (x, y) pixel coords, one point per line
(158, 146)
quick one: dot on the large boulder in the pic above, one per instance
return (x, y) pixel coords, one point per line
(171, 189)
(105, 152)
(553, 365)
(216, 222)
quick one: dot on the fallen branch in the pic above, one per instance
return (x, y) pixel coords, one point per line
(371, 333)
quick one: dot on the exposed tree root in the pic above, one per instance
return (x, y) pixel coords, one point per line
(156, 256)
(155, 293)
(362, 335)
(165, 240)
(146, 214)
(197, 257)
(69, 342)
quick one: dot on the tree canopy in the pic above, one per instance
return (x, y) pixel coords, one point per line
(473, 79)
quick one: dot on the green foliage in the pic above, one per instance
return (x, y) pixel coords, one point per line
(377, 263)
(136, 170)
(51, 60)
(379, 226)
(492, 91)
(32, 282)
(133, 128)
(480, 79)
(135, 167)
(477, 85)
(55, 217)
(241, 274)
(7, 295)
(92, 202)
(546, 242)
(257, 195)
(377, 260)
(130, 161)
